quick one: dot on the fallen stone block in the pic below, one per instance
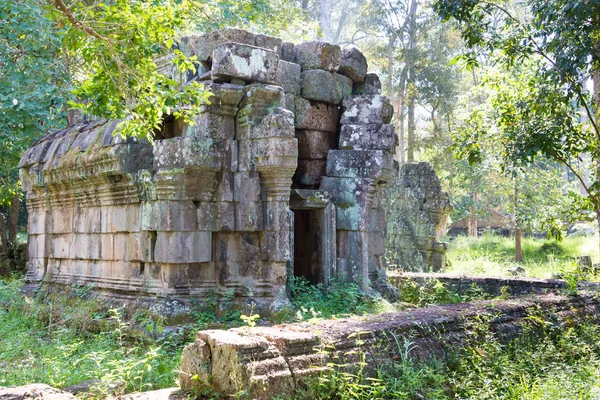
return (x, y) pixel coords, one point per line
(277, 360)
(353, 64)
(324, 86)
(318, 55)
(316, 116)
(367, 109)
(249, 63)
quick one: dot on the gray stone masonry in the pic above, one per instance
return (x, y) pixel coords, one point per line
(206, 206)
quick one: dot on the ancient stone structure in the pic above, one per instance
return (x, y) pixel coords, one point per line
(282, 173)
(417, 211)
(274, 361)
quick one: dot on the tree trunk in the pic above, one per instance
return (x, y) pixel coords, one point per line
(410, 151)
(472, 229)
(13, 217)
(518, 233)
(325, 20)
(3, 237)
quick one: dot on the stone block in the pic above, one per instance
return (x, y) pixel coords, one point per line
(246, 157)
(288, 52)
(270, 43)
(37, 246)
(183, 247)
(278, 215)
(289, 103)
(246, 187)
(278, 124)
(59, 246)
(182, 152)
(277, 245)
(169, 216)
(61, 220)
(375, 164)
(211, 125)
(206, 44)
(36, 221)
(324, 86)
(368, 137)
(224, 191)
(346, 192)
(318, 55)
(316, 116)
(354, 217)
(249, 217)
(276, 152)
(125, 218)
(353, 64)
(249, 63)
(309, 172)
(367, 109)
(371, 85)
(88, 220)
(288, 76)
(130, 247)
(314, 145)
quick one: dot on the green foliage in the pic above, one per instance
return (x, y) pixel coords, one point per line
(65, 340)
(435, 292)
(339, 299)
(549, 360)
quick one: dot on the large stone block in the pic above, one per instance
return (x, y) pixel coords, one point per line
(375, 164)
(314, 145)
(121, 218)
(183, 247)
(249, 63)
(169, 216)
(346, 192)
(318, 55)
(288, 76)
(289, 103)
(206, 44)
(288, 52)
(368, 137)
(182, 152)
(324, 86)
(367, 109)
(278, 124)
(316, 116)
(246, 187)
(270, 43)
(309, 172)
(353, 64)
(249, 217)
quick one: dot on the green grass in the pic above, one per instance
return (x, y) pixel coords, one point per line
(62, 341)
(563, 364)
(494, 255)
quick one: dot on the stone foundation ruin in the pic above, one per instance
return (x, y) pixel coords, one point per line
(272, 179)
(283, 173)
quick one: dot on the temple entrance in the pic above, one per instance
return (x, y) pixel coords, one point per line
(314, 235)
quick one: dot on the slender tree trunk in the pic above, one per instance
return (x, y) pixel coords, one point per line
(472, 229)
(325, 19)
(13, 217)
(389, 87)
(410, 151)
(596, 82)
(401, 112)
(3, 237)
(518, 233)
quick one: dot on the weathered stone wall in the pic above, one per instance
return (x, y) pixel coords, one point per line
(276, 360)
(417, 210)
(207, 205)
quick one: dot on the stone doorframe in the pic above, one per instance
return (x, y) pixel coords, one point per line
(320, 204)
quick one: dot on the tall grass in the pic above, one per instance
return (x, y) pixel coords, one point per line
(494, 255)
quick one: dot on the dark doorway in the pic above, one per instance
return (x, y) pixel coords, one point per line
(307, 245)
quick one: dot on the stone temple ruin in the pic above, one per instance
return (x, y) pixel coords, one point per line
(284, 172)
